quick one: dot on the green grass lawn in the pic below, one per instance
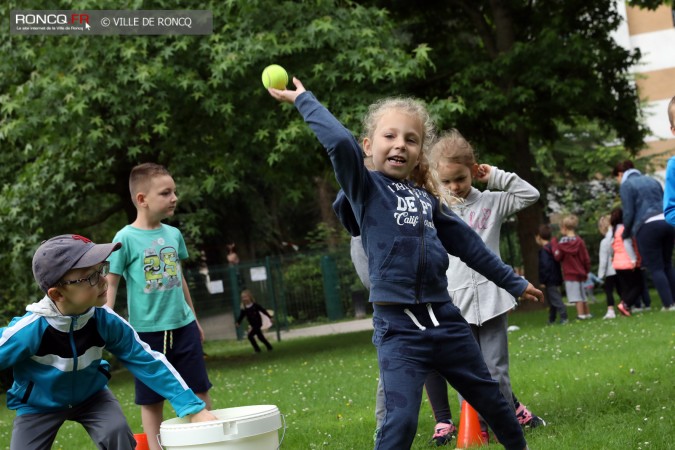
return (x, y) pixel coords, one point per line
(599, 385)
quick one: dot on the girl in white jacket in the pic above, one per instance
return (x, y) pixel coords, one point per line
(482, 303)
(606, 271)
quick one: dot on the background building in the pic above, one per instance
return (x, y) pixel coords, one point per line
(653, 32)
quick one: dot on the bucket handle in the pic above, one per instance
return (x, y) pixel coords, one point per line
(159, 441)
(283, 418)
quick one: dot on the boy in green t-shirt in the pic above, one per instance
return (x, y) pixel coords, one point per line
(159, 302)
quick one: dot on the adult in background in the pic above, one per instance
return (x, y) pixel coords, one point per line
(643, 219)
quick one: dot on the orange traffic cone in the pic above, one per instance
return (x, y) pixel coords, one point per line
(141, 441)
(469, 428)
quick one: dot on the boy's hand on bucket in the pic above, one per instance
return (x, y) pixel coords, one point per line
(202, 416)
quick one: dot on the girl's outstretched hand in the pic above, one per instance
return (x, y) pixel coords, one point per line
(287, 95)
(532, 293)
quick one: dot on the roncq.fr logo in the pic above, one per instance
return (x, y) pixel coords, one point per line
(52, 19)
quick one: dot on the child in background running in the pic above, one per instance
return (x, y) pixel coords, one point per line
(482, 303)
(573, 256)
(252, 310)
(605, 268)
(407, 235)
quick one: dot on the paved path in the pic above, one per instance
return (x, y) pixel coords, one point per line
(221, 327)
(330, 328)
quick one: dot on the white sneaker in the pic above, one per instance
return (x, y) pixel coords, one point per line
(610, 314)
(668, 308)
(636, 310)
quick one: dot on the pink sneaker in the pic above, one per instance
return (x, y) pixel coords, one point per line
(485, 436)
(443, 433)
(622, 309)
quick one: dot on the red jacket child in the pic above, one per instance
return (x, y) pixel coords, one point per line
(573, 256)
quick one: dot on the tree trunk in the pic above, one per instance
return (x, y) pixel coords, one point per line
(531, 217)
(325, 196)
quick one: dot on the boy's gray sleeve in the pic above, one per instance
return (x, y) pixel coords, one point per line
(604, 258)
(360, 260)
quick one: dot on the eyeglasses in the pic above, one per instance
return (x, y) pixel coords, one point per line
(93, 279)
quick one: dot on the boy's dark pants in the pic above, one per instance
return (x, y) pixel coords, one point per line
(554, 297)
(101, 415)
(407, 354)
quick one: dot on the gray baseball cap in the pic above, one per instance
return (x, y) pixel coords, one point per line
(60, 254)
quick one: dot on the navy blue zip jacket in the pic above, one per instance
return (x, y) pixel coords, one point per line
(549, 269)
(406, 232)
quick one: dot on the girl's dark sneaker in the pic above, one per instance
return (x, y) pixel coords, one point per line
(527, 419)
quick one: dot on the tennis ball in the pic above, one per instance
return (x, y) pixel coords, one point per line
(274, 76)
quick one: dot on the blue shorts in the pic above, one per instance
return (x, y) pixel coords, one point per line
(183, 349)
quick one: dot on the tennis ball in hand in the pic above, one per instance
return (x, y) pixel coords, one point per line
(274, 76)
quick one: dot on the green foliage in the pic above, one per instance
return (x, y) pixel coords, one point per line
(77, 113)
(583, 152)
(303, 278)
(527, 77)
(520, 68)
(323, 236)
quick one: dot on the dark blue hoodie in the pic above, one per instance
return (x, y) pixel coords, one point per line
(406, 232)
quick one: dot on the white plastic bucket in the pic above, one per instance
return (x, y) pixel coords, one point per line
(242, 428)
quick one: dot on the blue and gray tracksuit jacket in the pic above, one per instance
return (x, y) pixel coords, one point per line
(57, 360)
(407, 233)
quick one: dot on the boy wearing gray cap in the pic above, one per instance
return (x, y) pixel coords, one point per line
(56, 352)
